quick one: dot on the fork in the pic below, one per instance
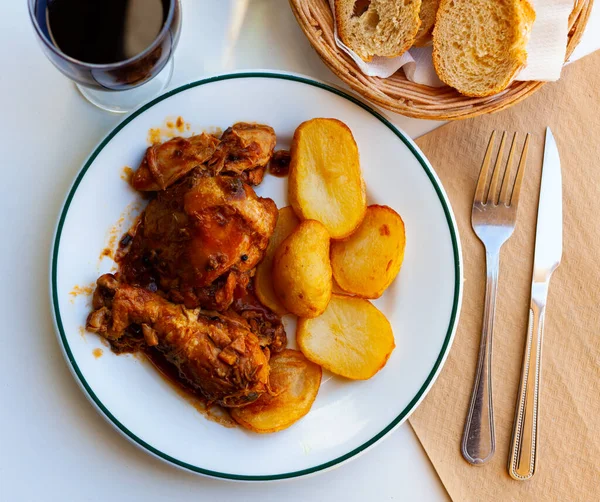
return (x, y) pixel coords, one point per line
(493, 219)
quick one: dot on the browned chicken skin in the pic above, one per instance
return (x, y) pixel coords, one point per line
(215, 354)
(167, 162)
(244, 150)
(200, 239)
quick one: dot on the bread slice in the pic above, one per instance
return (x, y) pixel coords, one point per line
(377, 27)
(479, 45)
(427, 16)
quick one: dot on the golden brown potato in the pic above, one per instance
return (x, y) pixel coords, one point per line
(325, 182)
(337, 290)
(263, 282)
(302, 271)
(367, 262)
(295, 381)
(351, 338)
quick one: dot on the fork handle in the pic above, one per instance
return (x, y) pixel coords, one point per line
(522, 459)
(478, 441)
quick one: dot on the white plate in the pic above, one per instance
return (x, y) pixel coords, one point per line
(347, 417)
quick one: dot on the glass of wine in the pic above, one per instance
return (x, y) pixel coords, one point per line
(119, 53)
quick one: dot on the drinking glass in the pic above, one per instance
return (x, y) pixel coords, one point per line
(120, 86)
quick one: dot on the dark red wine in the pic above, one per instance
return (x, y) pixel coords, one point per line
(105, 31)
(133, 39)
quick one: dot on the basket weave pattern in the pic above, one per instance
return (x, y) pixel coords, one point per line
(397, 93)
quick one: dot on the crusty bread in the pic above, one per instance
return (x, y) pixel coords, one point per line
(377, 27)
(427, 16)
(479, 45)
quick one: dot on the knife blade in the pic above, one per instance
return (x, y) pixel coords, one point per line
(548, 237)
(522, 459)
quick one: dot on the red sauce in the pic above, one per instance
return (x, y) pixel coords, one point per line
(127, 174)
(82, 290)
(169, 372)
(126, 240)
(154, 136)
(132, 342)
(280, 163)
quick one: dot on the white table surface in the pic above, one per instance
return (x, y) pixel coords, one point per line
(53, 444)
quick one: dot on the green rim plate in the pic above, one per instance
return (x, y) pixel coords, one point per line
(337, 461)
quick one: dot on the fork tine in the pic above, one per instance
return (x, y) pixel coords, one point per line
(492, 195)
(520, 173)
(506, 181)
(485, 166)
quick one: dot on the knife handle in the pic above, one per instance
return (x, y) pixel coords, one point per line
(522, 459)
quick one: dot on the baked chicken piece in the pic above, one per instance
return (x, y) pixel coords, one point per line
(199, 240)
(167, 162)
(244, 150)
(215, 354)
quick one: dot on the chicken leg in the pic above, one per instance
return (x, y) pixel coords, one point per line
(215, 354)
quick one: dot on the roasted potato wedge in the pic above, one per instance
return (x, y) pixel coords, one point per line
(302, 277)
(325, 182)
(295, 381)
(351, 338)
(263, 281)
(367, 262)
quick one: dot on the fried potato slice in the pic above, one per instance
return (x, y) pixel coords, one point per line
(367, 262)
(337, 290)
(302, 277)
(295, 381)
(263, 281)
(351, 338)
(325, 182)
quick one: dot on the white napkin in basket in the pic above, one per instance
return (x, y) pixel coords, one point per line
(548, 40)
(546, 49)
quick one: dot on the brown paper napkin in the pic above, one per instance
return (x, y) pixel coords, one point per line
(569, 448)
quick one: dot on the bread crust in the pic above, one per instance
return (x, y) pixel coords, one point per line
(524, 17)
(411, 18)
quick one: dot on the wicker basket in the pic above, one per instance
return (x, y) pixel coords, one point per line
(398, 94)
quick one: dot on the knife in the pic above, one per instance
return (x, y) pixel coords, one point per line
(524, 446)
